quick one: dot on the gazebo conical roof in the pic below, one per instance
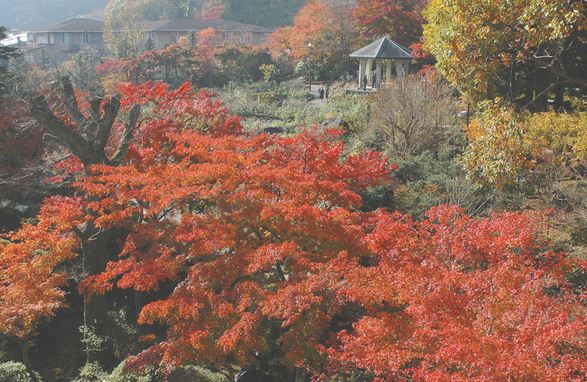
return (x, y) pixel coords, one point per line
(383, 49)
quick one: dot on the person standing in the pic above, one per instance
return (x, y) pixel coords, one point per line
(365, 80)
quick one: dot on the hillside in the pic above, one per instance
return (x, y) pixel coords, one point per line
(268, 13)
(32, 14)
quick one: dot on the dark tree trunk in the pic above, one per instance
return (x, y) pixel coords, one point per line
(139, 302)
(95, 251)
(26, 360)
(559, 91)
(95, 248)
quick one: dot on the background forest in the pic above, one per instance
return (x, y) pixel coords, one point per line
(35, 14)
(199, 213)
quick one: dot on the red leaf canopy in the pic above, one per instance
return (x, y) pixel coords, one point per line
(268, 251)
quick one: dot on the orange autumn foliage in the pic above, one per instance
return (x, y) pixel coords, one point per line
(238, 223)
(31, 289)
(268, 252)
(401, 20)
(297, 41)
(453, 298)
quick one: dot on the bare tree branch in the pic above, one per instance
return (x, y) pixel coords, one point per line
(133, 123)
(70, 101)
(111, 109)
(88, 139)
(66, 135)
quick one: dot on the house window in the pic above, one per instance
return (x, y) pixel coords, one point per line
(175, 37)
(62, 37)
(87, 37)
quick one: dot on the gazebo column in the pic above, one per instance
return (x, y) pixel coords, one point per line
(399, 69)
(378, 74)
(369, 72)
(388, 70)
(362, 71)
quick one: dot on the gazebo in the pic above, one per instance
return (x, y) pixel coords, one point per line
(381, 53)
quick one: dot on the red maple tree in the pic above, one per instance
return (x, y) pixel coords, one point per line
(271, 256)
(30, 285)
(239, 224)
(319, 28)
(401, 20)
(271, 259)
(33, 253)
(453, 298)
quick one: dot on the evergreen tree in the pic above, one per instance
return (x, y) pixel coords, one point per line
(6, 53)
(149, 44)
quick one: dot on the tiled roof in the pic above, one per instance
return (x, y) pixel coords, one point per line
(77, 24)
(190, 24)
(384, 48)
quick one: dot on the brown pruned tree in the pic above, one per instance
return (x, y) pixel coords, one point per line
(410, 116)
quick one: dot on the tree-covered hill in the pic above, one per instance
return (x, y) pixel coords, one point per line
(32, 14)
(270, 13)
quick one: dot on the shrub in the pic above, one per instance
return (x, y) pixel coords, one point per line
(15, 372)
(243, 64)
(120, 375)
(511, 148)
(429, 179)
(410, 116)
(91, 372)
(191, 373)
(187, 373)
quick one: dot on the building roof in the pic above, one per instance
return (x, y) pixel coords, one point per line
(196, 25)
(384, 48)
(76, 24)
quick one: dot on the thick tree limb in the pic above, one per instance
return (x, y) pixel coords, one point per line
(95, 111)
(70, 101)
(66, 135)
(111, 109)
(88, 139)
(133, 123)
